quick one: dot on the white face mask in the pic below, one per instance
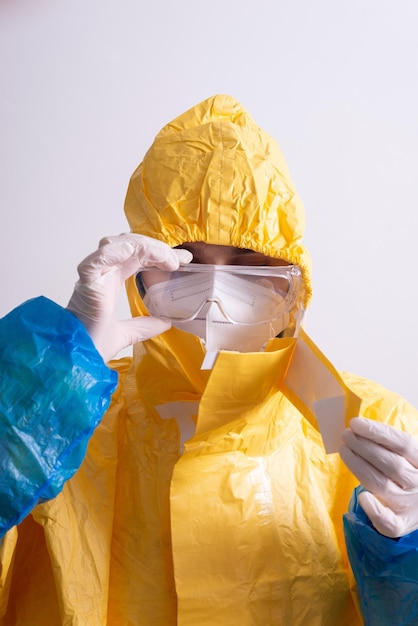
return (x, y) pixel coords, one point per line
(229, 307)
(218, 333)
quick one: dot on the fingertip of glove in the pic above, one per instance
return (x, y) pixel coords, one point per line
(359, 424)
(184, 256)
(155, 324)
(164, 324)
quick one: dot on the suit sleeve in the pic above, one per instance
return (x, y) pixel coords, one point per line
(54, 390)
(386, 570)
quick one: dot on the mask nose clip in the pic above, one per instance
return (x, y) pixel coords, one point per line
(211, 301)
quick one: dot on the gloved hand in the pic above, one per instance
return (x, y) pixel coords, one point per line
(102, 275)
(385, 460)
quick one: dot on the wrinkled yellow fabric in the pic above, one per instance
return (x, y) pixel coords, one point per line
(213, 175)
(255, 526)
(245, 526)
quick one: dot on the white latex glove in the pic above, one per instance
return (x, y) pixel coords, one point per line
(102, 275)
(385, 460)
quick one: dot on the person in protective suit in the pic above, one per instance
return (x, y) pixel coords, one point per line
(200, 482)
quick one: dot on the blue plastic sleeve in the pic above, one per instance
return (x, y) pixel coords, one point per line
(54, 390)
(386, 570)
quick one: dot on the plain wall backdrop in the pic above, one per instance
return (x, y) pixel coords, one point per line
(86, 85)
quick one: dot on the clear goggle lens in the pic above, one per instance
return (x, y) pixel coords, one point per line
(244, 294)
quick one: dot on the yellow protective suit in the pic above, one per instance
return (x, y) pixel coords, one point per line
(243, 526)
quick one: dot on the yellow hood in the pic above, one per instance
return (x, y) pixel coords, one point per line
(213, 175)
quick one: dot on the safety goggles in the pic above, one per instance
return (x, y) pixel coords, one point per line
(245, 295)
